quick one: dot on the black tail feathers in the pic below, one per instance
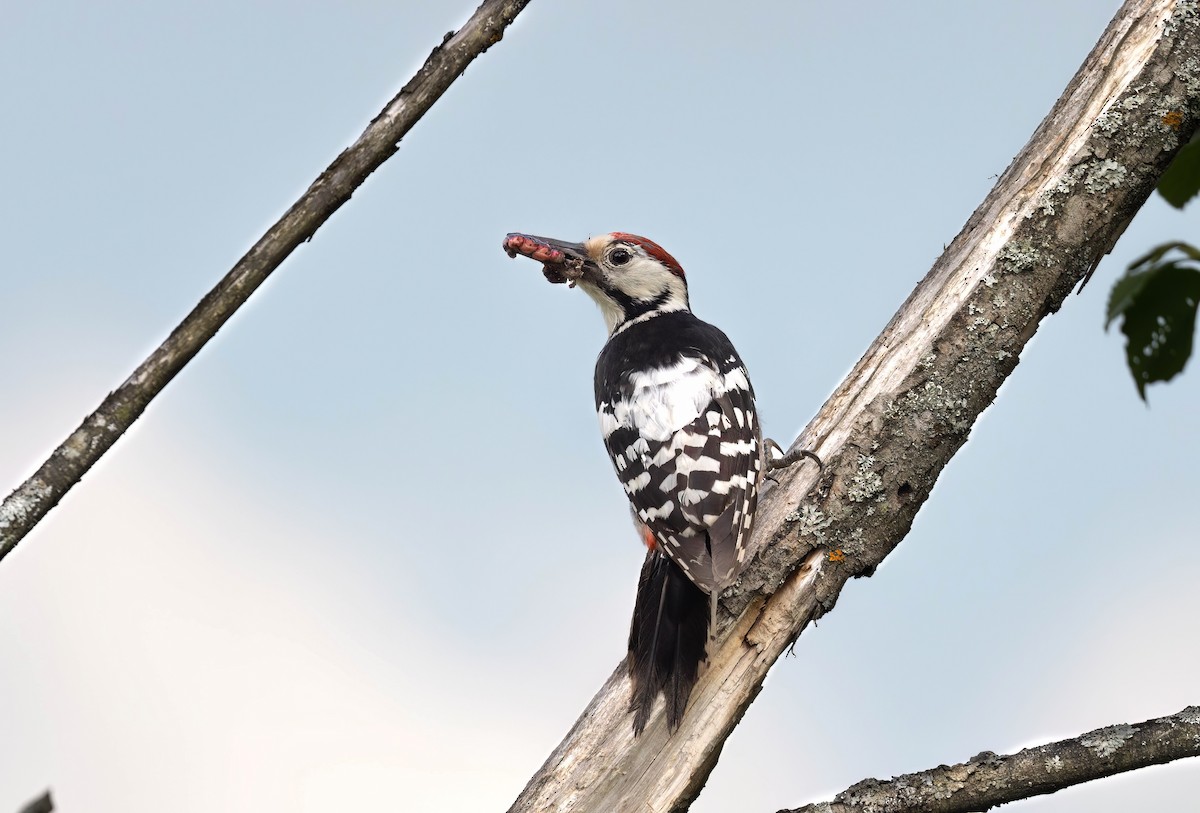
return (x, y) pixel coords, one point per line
(666, 641)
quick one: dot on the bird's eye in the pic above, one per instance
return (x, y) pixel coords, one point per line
(620, 256)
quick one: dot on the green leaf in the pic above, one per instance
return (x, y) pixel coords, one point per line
(1125, 293)
(1155, 254)
(1181, 181)
(1158, 310)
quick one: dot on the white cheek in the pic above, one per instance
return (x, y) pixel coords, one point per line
(642, 280)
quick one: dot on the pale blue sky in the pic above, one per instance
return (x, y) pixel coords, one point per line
(367, 549)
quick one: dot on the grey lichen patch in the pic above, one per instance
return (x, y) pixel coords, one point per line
(1190, 715)
(865, 795)
(852, 543)
(1105, 175)
(812, 520)
(1054, 764)
(1167, 105)
(1050, 197)
(1107, 741)
(1019, 256)
(865, 483)
(23, 502)
(935, 401)
(989, 280)
(989, 758)
(1098, 177)
(1109, 121)
(1186, 12)
(1135, 99)
(1189, 74)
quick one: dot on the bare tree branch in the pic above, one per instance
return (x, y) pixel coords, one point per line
(909, 403)
(988, 780)
(26, 506)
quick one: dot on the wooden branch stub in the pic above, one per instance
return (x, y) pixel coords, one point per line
(909, 404)
(42, 804)
(988, 779)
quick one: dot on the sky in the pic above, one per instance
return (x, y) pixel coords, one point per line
(367, 549)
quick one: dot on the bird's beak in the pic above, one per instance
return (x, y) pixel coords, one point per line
(561, 261)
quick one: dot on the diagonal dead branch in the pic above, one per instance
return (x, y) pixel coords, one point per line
(31, 501)
(910, 402)
(988, 779)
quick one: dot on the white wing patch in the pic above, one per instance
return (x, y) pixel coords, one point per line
(666, 399)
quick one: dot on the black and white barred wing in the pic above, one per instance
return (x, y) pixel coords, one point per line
(726, 499)
(685, 442)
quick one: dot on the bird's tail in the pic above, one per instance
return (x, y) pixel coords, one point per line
(666, 640)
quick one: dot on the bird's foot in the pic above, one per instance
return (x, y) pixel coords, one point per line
(777, 459)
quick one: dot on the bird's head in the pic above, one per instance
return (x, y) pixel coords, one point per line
(629, 277)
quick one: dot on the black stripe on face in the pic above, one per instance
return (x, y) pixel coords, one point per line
(633, 308)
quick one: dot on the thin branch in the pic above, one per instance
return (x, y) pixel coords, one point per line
(26, 506)
(908, 405)
(988, 780)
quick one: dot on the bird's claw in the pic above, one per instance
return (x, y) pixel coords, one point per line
(791, 458)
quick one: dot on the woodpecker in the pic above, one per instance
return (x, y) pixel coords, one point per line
(677, 414)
